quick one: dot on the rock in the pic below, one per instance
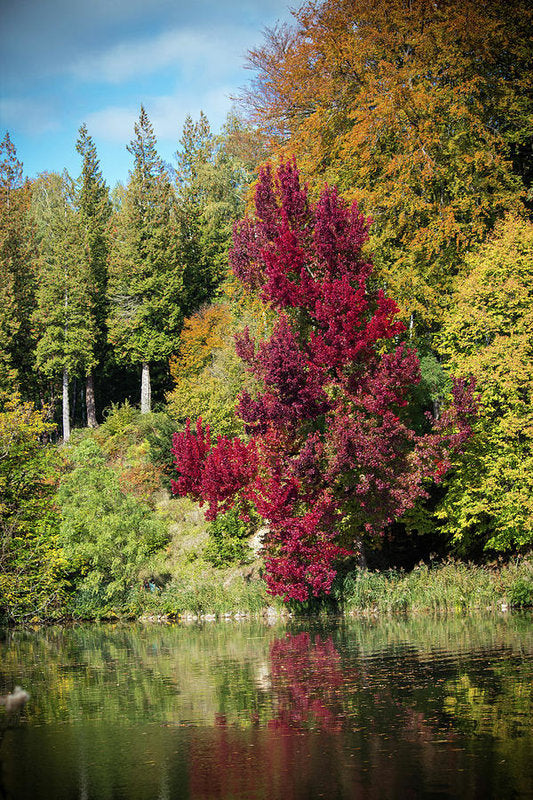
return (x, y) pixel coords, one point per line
(256, 542)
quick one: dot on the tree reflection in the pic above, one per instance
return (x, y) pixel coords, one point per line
(306, 679)
(349, 710)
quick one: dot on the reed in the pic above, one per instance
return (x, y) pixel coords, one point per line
(452, 586)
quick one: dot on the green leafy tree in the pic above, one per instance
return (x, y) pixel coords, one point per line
(107, 534)
(32, 577)
(64, 315)
(145, 272)
(487, 333)
(92, 199)
(17, 275)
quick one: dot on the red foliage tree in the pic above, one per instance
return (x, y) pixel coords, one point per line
(331, 453)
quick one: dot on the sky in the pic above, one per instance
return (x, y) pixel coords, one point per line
(66, 62)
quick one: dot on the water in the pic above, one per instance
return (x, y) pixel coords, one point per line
(433, 708)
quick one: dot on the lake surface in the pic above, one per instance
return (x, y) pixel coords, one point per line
(403, 708)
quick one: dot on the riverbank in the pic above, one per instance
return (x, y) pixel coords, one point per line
(204, 593)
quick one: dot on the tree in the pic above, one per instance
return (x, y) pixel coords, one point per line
(332, 455)
(420, 111)
(211, 183)
(145, 273)
(208, 375)
(17, 275)
(64, 316)
(107, 534)
(31, 563)
(487, 333)
(92, 199)
(197, 253)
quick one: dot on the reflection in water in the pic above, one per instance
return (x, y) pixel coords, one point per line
(308, 682)
(398, 708)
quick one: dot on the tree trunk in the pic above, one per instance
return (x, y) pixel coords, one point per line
(66, 407)
(362, 554)
(146, 391)
(89, 401)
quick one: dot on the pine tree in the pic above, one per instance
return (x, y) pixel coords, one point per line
(145, 274)
(64, 315)
(194, 159)
(93, 201)
(17, 275)
(212, 179)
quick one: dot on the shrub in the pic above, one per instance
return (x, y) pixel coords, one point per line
(106, 534)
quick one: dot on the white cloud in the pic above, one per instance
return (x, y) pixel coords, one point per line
(190, 49)
(167, 114)
(28, 115)
(112, 124)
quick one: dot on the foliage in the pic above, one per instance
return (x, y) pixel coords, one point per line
(213, 173)
(452, 586)
(201, 334)
(17, 275)
(63, 317)
(107, 535)
(228, 539)
(331, 453)
(208, 375)
(32, 580)
(487, 333)
(418, 110)
(206, 372)
(145, 276)
(92, 199)
(137, 446)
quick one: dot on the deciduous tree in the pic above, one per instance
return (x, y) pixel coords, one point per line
(419, 110)
(488, 333)
(332, 455)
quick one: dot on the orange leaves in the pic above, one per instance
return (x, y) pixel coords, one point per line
(202, 333)
(415, 110)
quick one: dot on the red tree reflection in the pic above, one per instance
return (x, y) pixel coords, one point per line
(306, 679)
(230, 761)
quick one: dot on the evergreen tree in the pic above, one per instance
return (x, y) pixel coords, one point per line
(145, 274)
(64, 315)
(17, 276)
(95, 210)
(212, 179)
(193, 158)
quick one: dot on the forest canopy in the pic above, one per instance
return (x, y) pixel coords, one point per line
(353, 333)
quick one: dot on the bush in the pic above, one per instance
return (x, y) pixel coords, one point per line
(32, 578)
(107, 535)
(228, 539)
(521, 593)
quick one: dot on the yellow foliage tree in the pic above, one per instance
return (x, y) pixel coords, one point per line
(208, 376)
(488, 334)
(419, 110)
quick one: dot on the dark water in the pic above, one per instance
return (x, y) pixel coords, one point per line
(434, 708)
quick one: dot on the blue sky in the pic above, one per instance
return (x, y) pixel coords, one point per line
(65, 62)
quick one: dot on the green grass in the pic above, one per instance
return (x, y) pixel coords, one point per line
(450, 587)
